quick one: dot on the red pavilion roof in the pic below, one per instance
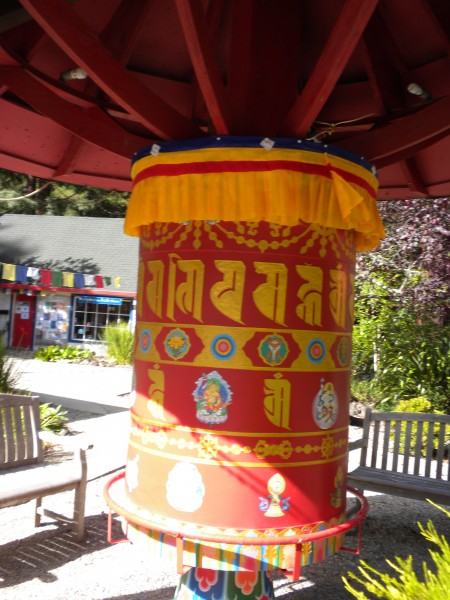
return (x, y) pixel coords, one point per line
(371, 76)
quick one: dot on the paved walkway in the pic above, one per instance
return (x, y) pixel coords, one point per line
(97, 399)
(46, 563)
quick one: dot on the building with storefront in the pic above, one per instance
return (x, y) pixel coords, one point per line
(64, 279)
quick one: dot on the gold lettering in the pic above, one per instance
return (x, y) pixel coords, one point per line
(277, 400)
(310, 293)
(338, 293)
(154, 290)
(155, 403)
(227, 295)
(270, 297)
(187, 295)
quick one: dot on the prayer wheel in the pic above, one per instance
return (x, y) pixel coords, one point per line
(239, 430)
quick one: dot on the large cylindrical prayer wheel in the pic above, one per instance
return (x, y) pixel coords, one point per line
(243, 345)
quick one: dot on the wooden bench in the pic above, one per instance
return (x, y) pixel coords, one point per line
(404, 454)
(24, 475)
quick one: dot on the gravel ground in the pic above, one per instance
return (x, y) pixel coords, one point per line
(46, 563)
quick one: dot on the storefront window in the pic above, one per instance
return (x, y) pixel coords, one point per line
(52, 320)
(93, 313)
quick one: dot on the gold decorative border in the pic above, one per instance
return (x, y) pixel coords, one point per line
(208, 448)
(156, 235)
(206, 333)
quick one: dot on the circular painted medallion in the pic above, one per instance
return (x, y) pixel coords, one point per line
(185, 489)
(177, 344)
(223, 347)
(343, 351)
(325, 406)
(316, 351)
(145, 341)
(273, 349)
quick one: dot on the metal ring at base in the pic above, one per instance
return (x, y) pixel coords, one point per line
(356, 520)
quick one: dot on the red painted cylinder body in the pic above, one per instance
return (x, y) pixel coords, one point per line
(242, 367)
(239, 429)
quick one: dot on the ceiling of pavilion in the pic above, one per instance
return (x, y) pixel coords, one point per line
(334, 71)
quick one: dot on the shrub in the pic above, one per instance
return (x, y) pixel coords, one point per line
(417, 405)
(55, 353)
(405, 585)
(398, 357)
(9, 376)
(120, 341)
(53, 418)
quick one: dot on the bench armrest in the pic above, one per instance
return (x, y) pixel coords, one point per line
(76, 442)
(356, 444)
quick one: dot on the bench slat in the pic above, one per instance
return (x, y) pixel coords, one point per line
(9, 432)
(399, 455)
(385, 450)
(376, 436)
(429, 449)
(396, 450)
(440, 451)
(407, 444)
(20, 445)
(399, 484)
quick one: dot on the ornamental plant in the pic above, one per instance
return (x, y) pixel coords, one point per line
(9, 376)
(55, 353)
(120, 342)
(53, 418)
(404, 584)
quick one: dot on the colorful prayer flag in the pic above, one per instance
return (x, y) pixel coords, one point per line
(89, 280)
(46, 276)
(9, 272)
(79, 280)
(21, 274)
(68, 279)
(57, 278)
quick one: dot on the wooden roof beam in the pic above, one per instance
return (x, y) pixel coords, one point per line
(403, 138)
(342, 41)
(387, 88)
(89, 124)
(119, 36)
(206, 68)
(412, 177)
(241, 68)
(122, 32)
(71, 34)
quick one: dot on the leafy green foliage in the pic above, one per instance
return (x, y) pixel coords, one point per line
(53, 418)
(417, 405)
(58, 199)
(402, 322)
(120, 342)
(404, 583)
(55, 353)
(9, 376)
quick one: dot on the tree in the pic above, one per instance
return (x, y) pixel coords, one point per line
(410, 267)
(402, 319)
(37, 196)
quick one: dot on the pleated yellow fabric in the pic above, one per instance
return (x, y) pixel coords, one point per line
(283, 185)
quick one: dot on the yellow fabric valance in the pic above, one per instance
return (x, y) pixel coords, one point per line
(287, 183)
